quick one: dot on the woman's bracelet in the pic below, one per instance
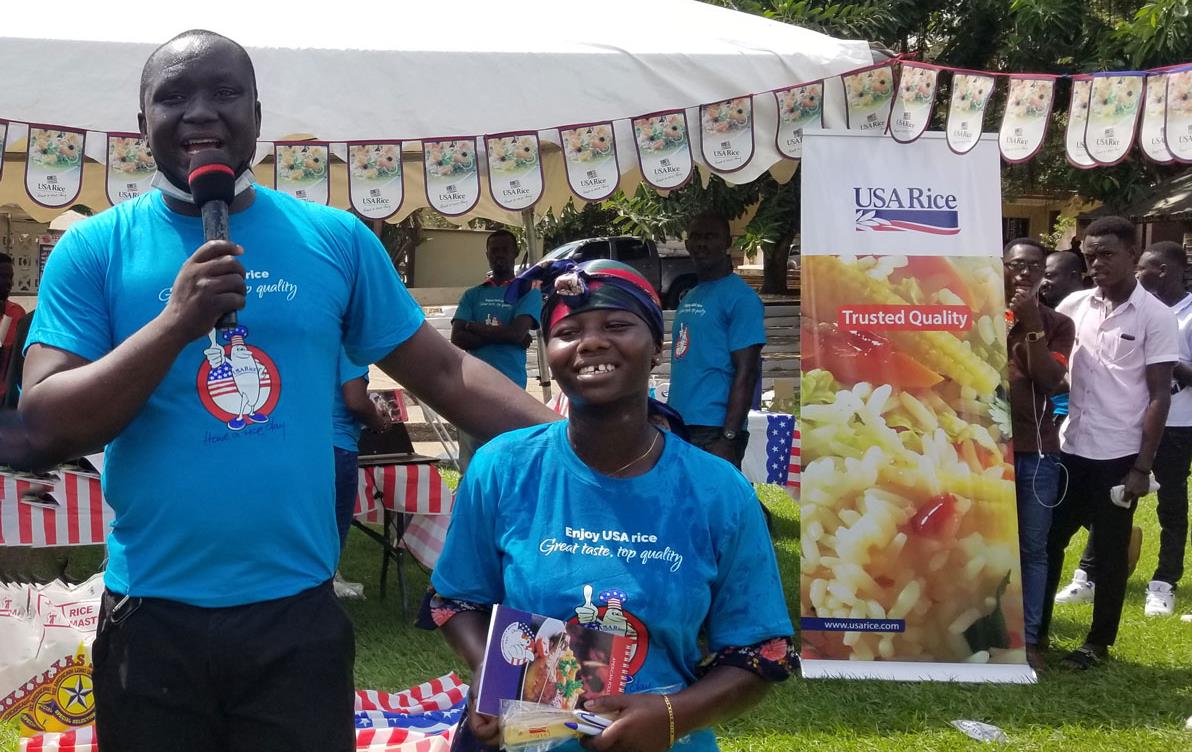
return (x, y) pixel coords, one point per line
(670, 718)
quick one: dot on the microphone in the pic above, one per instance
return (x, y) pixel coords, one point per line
(213, 186)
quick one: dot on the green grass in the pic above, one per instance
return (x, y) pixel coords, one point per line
(1137, 701)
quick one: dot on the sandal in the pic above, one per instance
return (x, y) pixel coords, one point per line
(1083, 658)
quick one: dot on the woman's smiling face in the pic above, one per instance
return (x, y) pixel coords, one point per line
(602, 355)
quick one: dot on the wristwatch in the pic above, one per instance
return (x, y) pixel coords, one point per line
(1035, 336)
(728, 434)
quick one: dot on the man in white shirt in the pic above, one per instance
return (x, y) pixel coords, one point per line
(1120, 372)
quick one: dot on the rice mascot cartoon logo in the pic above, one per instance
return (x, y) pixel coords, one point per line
(238, 383)
(613, 618)
(682, 342)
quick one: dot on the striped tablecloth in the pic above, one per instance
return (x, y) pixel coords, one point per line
(82, 517)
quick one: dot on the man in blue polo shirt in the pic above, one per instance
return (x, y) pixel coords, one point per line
(716, 345)
(219, 629)
(491, 329)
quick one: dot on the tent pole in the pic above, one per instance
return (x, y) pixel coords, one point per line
(533, 255)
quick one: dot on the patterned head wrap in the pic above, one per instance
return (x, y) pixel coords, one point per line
(569, 287)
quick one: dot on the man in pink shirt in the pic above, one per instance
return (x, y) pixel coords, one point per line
(1120, 372)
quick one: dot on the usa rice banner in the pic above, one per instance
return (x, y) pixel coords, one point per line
(869, 97)
(1152, 136)
(1024, 123)
(1179, 114)
(452, 175)
(910, 563)
(966, 110)
(664, 148)
(301, 170)
(590, 157)
(375, 186)
(514, 169)
(916, 99)
(799, 107)
(1078, 119)
(130, 167)
(727, 133)
(54, 165)
(1114, 106)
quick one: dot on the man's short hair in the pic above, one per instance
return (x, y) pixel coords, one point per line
(1170, 251)
(498, 234)
(1077, 259)
(202, 35)
(712, 216)
(5, 258)
(1119, 227)
(1031, 242)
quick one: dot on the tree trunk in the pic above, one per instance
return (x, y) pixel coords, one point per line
(774, 260)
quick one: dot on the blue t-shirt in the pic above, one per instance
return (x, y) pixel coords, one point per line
(222, 484)
(486, 303)
(347, 427)
(685, 544)
(714, 319)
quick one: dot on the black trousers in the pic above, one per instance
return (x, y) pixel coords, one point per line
(704, 436)
(1087, 504)
(1172, 462)
(275, 675)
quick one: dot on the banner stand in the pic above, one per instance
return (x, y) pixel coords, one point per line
(910, 564)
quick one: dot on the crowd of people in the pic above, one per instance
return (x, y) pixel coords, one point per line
(219, 628)
(1100, 343)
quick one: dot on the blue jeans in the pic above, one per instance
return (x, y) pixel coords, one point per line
(346, 473)
(1038, 485)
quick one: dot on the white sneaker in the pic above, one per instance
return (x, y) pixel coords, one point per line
(1079, 590)
(345, 589)
(1160, 599)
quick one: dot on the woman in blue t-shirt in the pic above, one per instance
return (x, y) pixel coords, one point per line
(609, 522)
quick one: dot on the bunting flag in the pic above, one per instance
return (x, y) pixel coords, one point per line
(727, 133)
(1114, 107)
(54, 165)
(1178, 130)
(452, 175)
(1152, 137)
(869, 97)
(799, 107)
(3, 143)
(966, 110)
(300, 169)
(1078, 117)
(663, 148)
(1028, 110)
(375, 184)
(130, 166)
(590, 156)
(915, 101)
(514, 169)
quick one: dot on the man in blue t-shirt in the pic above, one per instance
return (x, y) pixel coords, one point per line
(219, 629)
(491, 329)
(716, 345)
(351, 411)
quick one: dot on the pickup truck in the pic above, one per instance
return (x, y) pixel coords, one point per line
(671, 273)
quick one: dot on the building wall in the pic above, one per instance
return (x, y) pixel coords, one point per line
(450, 258)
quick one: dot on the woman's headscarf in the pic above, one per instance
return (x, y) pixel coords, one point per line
(569, 288)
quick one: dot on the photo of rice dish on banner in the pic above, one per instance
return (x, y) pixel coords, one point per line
(909, 521)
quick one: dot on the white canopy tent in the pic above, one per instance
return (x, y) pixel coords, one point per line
(410, 71)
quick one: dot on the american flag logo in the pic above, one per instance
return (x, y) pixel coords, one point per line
(451, 188)
(300, 193)
(872, 117)
(726, 144)
(592, 173)
(664, 162)
(51, 178)
(515, 184)
(374, 192)
(1018, 132)
(1109, 132)
(131, 186)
